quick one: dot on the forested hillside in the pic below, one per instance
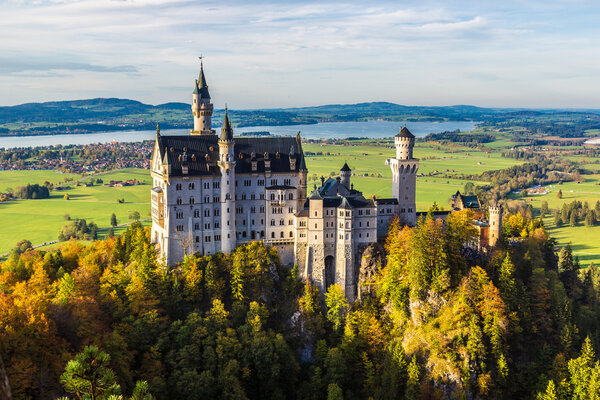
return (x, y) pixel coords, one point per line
(435, 321)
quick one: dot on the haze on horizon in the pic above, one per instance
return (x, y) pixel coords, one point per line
(261, 54)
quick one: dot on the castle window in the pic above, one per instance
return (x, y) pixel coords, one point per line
(179, 201)
(217, 238)
(367, 235)
(196, 213)
(262, 209)
(179, 228)
(281, 222)
(261, 182)
(216, 225)
(368, 212)
(217, 212)
(360, 235)
(216, 185)
(206, 226)
(216, 199)
(367, 227)
(272, 196)
(196, 226)
(290, 209)
(244, 233)
(291, 196)
(247, 182)
(272, 235)
(179, 214)
(207, 213)
(291, 234)
(291, 222)
(178, 186)
(191, 185)
(206, 185)
(272, 222)
(315, 226)
(197, 239)
(262, 196)
(281, 234)
(207, 238)
(252, 210)
(206, 199)
(273, 182)
(252, 196)
(192, 201)
(287, 181)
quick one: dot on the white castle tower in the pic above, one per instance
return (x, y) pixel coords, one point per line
(202, 108)
(404, 176)
(495, 221)
(227, 166)
(345, 174)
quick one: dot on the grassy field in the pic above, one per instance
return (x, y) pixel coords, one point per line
(369, 160)
(585, 240)
(40, 220)
(12, 179)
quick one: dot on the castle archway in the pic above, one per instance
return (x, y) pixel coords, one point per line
(329, 271)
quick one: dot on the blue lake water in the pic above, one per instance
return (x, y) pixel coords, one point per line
(330, 130)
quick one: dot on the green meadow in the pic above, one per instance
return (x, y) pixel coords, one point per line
(41, 220)
(365, 159)
(584, 240)
(12, 179)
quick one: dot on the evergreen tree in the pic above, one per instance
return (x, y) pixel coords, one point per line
(544, 209)
(113, 220)
(89, 375)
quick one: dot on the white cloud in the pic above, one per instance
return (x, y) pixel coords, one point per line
(417, 53)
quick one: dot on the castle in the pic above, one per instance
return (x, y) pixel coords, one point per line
(213, 192)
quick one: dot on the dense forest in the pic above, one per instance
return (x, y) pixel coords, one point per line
(435, 320)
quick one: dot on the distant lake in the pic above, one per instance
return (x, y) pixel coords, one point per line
(330, 130)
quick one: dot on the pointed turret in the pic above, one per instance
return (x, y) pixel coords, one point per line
(226, 131)
(201, 87)
(202, 108)
(345, 174)
(404, 132)
(157, 130)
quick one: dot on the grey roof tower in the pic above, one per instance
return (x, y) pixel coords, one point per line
(226, 131)
(404, 132)
(201, 88)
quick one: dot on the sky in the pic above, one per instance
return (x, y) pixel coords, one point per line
(269, 54)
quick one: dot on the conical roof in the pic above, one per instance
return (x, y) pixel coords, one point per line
(404, 132)
(345, 168)
(226, 130)
(201, 87)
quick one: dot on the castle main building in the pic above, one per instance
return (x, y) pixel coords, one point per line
(214, 192)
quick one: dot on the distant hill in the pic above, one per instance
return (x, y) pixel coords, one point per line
(109, 114)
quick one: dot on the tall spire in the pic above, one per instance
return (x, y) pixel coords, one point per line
(201, 87)
(226, 131)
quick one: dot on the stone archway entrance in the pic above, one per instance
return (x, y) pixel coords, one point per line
(329, 271)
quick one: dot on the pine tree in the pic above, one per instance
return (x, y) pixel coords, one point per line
(559, 194)
(544, 209)
(113, 220)
(573, 218)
